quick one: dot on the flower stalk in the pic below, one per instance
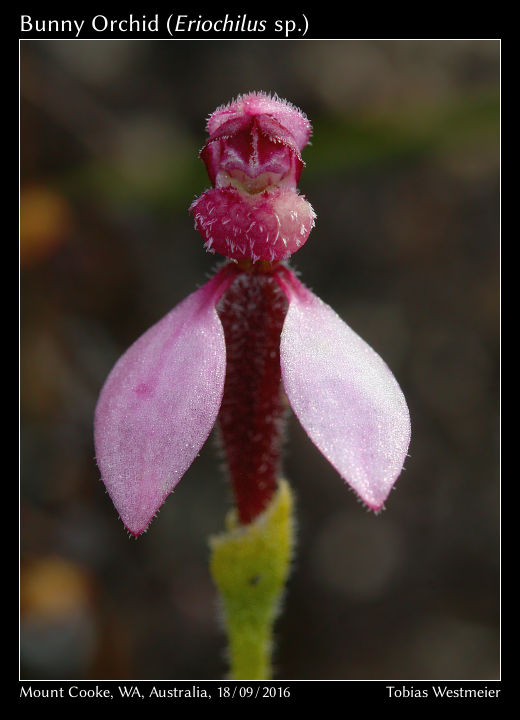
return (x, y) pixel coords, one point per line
(250, 564)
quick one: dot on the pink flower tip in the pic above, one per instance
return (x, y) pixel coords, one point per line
(254, 163)
(253, 104)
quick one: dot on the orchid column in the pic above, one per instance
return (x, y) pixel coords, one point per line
(236, 350)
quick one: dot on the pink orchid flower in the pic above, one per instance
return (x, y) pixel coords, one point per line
(226, 351)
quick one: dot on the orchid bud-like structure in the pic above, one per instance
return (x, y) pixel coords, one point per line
(253, 158)
(231, 350)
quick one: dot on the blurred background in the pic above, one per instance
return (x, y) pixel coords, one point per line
(403, 172)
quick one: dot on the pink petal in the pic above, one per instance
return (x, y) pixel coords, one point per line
(343, 394)
(159, 405)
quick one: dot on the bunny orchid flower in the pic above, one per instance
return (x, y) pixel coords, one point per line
(253, 332)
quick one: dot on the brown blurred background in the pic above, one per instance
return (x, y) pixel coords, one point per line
(403, 173)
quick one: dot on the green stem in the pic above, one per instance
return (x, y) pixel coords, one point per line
(250, 565)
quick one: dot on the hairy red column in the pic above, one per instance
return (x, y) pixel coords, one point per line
(252, 312)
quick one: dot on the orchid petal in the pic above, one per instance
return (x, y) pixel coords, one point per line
(343, 394)
(159, 405)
